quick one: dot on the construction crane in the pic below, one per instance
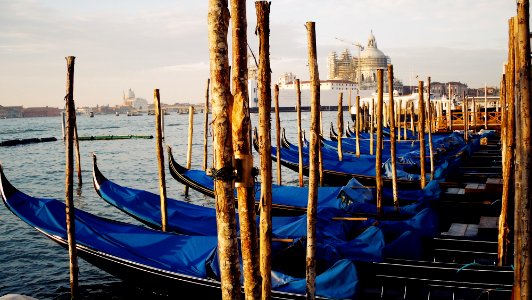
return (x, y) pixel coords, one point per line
(360, 47)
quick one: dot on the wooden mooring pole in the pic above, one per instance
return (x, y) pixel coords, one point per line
(69, 191)
(421, 134)
(399, 103)
(312, 207)
(222, 102)
(378, 155)
(320, 158)
(299, 133)
(523, 151)
(160, 159)
(372, 128)
(277, 132)
(358, 123)
(265, 95)
(189, 144)
(340, 125)
(450, 110)
(63, 124)
(241, 125)
(78, 156)
(393, 153)
(206, 126)
(429, 112)
(507, 140)
(485, 106)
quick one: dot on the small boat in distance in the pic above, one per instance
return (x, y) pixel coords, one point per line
(117, 114)
(133, 114)
(91, 114)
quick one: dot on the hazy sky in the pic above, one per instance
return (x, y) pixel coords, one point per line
(144, 45)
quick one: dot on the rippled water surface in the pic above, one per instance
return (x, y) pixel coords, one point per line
(33, 265)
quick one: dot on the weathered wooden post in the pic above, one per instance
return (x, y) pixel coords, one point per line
(508, 150)
(365, 117)
(523, 271)
(206, 126)
(507, 140)
(393, 153)
(412, 118)
(189, 145)
(485, 106)
(320, 158)
(312, 209)
(372, 128)
(241, 127)
(378, 155)
(349, 105)
(277, 132)
(222, 102)
(299, 134)
(265, 99)
(63, 121)
(69, 190)
(464, 116)
(340, 125)
(421, 134)
(404, 120)
(161, 115)
(431, 151)
(399, 113)
(450, 110)
(78, 159)
(357, 127)
(520, 262)
(474, 114)
(160, 159)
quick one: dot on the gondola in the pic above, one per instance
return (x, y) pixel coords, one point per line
(450, 154)
(456, 275)
(337, 172)
(292, 200)
(443, 144)
(335, 226)
(407, 159)
(161, 261)
(349, 132)
(114, 247)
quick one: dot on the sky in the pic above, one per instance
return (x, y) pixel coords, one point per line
(163, 44)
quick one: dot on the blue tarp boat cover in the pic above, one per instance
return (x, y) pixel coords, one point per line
(356, 240)
(194, 256)
(188, 218)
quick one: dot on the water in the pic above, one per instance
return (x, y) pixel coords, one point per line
(33, 265)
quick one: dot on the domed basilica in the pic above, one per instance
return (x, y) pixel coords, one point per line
(362, 68)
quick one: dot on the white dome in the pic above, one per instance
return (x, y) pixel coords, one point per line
(371, 52)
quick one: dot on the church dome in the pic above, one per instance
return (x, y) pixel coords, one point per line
(372, 52)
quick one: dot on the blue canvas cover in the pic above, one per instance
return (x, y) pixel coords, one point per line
(354, 191)
(364, 166)
(188, 218)
(194, 256)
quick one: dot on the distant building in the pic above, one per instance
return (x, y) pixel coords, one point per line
(32, 112)
(451, 89)
(329, 91)
(10, 112)
(131, 100)
(360, 69)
